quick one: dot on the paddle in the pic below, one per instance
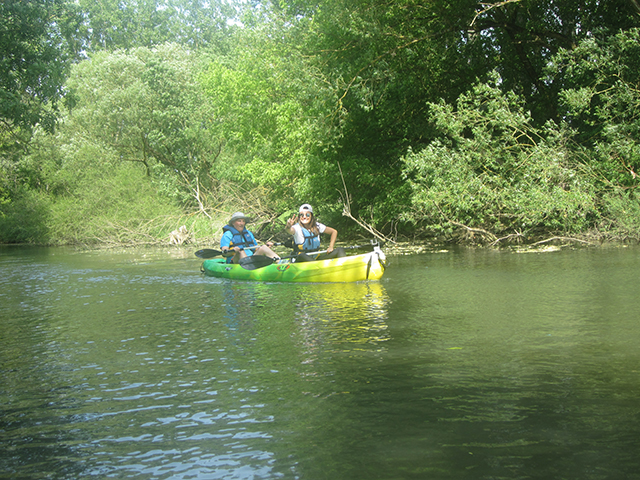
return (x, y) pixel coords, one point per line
(371, 245)
(210, 253)
(255, 261)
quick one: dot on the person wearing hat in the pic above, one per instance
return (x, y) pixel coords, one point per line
(306, 231)
(236, 238)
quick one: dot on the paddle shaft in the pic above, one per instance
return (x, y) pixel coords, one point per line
(210, 252)
(325, 251)
(229, 252)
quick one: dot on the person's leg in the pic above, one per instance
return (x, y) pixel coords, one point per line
(264, 250)
(238, 256)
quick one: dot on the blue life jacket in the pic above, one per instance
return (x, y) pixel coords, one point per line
(242, 239)
(311, 241)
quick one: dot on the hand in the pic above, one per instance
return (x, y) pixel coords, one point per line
(329, 249)
(292, 221)
(269, 244)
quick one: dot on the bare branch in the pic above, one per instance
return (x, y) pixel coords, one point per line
(490, 6)
(564, 239)
(473, 231)
(511, 236)
(346, 211)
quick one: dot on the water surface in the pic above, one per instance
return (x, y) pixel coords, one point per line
(464, 364)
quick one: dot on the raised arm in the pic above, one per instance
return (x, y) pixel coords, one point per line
(290, 223)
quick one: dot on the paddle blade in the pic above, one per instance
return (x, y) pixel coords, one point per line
(207, 253)
(255, 261)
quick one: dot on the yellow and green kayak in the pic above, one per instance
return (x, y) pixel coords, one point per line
(355, 268)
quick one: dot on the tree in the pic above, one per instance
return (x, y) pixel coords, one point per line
(527, 33)
(600, 99)
(122, 24)
(388, 60)
(146, 107)
(38, 42)
(274, 111)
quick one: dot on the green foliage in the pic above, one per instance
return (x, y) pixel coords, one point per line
(112, 205)
(390, 58)
(601, 99)
(267, 115)
(37, 42)
(146, 107)
(491, 169)
(273, 112)
(124, 24)
(74, 191)
(24, 218)
(387, 61)
(621, 214)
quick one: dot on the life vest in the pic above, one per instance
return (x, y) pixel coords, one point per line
(311, 241)
(240, 239)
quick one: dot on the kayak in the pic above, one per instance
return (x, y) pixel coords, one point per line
(355, 268)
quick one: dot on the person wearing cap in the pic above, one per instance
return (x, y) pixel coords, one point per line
(236, 238)
(306, 231)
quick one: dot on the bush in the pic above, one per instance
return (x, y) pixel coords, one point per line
(491, 169)
(24, 219)
(122, 206)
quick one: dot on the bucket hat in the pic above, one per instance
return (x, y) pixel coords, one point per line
(238, 216)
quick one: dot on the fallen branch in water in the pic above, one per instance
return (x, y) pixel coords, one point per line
(564, 239)
(516, 235)
(471, 232)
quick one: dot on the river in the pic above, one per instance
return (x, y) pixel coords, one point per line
(459, 364)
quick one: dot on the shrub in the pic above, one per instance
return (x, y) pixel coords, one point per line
(491, 169)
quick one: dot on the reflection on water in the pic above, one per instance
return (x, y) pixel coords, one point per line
(343, 317)
(457, 365)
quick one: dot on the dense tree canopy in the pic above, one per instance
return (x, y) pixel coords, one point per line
(38, 43)
(512, 119)
(389, 60)
(113, 24)
(146, 107)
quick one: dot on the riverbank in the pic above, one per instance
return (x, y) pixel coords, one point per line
(400, 245)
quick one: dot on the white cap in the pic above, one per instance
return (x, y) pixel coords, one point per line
(305, 206)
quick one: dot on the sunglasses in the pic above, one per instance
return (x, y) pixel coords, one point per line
(305, 215)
